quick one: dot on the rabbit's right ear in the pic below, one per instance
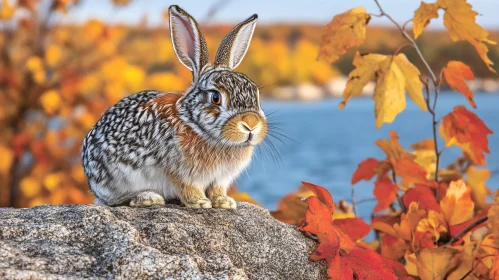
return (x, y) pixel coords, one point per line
(188, 41)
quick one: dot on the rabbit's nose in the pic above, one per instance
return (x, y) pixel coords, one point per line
(251, 122)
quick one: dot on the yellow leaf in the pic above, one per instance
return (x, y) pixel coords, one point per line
(34, 64)
(165, 81)
(30, 187)
(479, 192)
(392, 75)
(433, 224)
(52, 55)
(422, 17)
(425, 156)
(409, 221)
(52, 181)
(51, 101)
(7, 10)
(457, 205)
(459, 18)
(7, 157)
(346, 30)
(93, 29)
(435, 263)
(134, 77)
(364, 72)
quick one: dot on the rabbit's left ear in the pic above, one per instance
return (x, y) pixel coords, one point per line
(235, 44)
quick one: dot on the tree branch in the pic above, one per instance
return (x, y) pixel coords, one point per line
(467, 229)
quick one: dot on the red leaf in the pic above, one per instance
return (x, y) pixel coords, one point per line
(367, 264)
(455, 229)
(356, 228)
(466, 130)
(385, 192)
(365, 170)
(322, 194)
(424, 196)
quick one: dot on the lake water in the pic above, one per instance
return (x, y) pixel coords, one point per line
(330, 144)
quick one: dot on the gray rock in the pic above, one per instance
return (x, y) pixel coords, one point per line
(171, 242)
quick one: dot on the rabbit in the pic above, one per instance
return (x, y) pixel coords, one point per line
(154, 146)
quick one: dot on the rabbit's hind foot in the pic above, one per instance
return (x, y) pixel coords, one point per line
(147, 198)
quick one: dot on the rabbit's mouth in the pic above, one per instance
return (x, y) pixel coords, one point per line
(247, 129)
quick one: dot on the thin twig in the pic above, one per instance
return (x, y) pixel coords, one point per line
(405, 24)
(436, 83)
(408, 38)
(467, 229)
(354, 206)
(399, 199)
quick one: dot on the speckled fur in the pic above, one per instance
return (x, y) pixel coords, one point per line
(177, 144)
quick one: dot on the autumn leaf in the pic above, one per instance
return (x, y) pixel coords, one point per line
(356, 228)
(459, 19)
(319, 222)
(422, 17)
(457, 205)
(493, 216)
(435, 263)
(50, 101)
(7, 156)
(392, 148)
(476, 179)
(455, 74)
(411, 173)
(393, 75)
(424, 196)
(52, 55)
(409, 222)
(466, 130)
(7, 10)
(393, 247)
(346, 30)
(385, 192)
(365, 170)
(425, 156)
(429, 230)
(366, 264)
(30, 187)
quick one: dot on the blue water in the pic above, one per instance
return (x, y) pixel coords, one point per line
(330, 144)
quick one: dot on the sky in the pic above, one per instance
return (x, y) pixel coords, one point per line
(269, 11)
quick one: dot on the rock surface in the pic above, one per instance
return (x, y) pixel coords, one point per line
(171, 242)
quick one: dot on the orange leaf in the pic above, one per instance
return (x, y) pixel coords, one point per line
(409, 222)
(466, 130)
(457, 205)
(424, 196)
(476, 179)
(455, 229)
(411, 173)
(356, 228)
(346, 30)
(455, 73)
(385, 192)
(392, 148)
(365, 170)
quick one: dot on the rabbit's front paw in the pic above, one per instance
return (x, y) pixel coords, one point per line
(200, 203)
(224, 202)
(147, 198)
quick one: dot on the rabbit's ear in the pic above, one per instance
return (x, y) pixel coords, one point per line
(236, 43)
(188, 41)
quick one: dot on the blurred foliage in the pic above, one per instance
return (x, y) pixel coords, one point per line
(57, 79)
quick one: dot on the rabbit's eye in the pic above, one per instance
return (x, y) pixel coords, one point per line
(216, 97)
